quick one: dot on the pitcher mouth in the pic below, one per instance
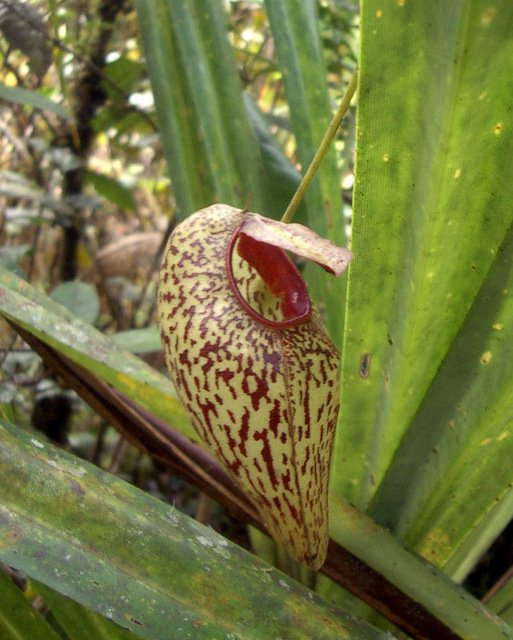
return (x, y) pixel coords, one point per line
(279, 274)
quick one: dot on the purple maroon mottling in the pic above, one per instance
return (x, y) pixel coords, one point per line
(263, 398)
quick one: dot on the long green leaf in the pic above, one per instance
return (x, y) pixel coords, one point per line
(431, 209)
(88, 347)
(78, 622)
(461, 439)
(182, 148)
(298, 49)
(450, 604)
(210, 148)
(33, 99)
(204, 100)
(502, 602)
(140, 562)
(281, 177)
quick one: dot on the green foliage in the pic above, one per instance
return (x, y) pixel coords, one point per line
(79, 298)
(140, 562)
(17, 618)
(74, 339)
(33, 98)
(111, 189)
(424, 437)
(92, 350)
(205, 132)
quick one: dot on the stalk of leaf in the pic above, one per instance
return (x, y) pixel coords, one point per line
(321, 151)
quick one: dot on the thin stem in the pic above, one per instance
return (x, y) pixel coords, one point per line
(323, 147)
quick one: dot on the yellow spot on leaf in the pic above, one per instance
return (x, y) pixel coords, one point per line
(487, 16)
(498, 128)
(484, 442)
(434, 546)
(379, 13)
(482, 95)
(497, 326)
(386, 157)
(401, 3)
(457, 173)
(486, 357)
(430, 275)
(502, 436)
(451, 424)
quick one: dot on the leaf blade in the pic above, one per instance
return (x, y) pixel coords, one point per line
(461, 439)
(32, 98)
(434, 255)
(18, 619)
(209, 145)
(145, 583)
(86, 346)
